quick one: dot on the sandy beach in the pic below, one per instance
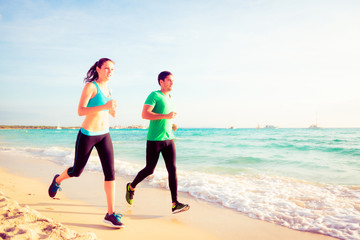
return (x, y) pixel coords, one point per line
(78, 210)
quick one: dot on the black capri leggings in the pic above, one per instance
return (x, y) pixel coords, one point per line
(83, 148)
(153, 149)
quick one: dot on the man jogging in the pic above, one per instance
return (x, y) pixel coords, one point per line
(159, 109)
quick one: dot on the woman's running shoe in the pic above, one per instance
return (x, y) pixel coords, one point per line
(54, 187)
(114, 220)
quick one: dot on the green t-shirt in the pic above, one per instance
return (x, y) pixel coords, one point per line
(160, 130)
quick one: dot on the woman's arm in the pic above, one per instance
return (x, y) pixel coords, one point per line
(87, 93)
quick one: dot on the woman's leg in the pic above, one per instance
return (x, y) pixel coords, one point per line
(63, 176)
(106, 154)
(109, 187)
(83, 149)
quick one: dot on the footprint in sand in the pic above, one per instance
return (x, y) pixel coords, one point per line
(11, 229)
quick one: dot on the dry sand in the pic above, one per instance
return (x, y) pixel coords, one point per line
(81, 207)
(19, 222)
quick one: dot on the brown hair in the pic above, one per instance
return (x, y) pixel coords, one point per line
(92, 74)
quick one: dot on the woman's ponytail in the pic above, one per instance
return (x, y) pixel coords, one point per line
(92, 74)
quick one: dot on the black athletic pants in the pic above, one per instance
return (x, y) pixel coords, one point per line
(83, 148)
(153, 150)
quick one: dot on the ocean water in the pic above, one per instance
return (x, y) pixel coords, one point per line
(304, 179)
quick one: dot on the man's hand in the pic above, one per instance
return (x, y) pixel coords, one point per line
(171, 115)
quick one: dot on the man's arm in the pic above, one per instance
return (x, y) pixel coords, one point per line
(148, 114)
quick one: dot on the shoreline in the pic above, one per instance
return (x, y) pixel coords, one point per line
(140, 127)
(28, 127)
(151, 217)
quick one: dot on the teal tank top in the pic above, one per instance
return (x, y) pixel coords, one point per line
(99, 99)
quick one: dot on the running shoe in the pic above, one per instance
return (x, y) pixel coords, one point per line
(129, 194)
(54, 187)
(179, 207)
(114, 220)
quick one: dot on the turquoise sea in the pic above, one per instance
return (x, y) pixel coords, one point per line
(304, 179)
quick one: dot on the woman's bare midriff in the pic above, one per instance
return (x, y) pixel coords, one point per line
(96, 122)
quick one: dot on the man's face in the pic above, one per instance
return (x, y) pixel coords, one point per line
(167, 83)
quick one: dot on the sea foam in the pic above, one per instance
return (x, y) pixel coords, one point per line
(328, 209)
(320, 208)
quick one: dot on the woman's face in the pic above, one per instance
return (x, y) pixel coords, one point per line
(106, 71)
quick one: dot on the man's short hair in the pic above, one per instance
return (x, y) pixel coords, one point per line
(163, 75)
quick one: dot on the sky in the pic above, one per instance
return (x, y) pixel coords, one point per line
(240, 63)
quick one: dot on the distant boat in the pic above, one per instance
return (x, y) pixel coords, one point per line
(314, 126)
(232, 127)
(271, 127)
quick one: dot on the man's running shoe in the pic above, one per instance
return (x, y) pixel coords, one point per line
(54, 187)
(129, 194)
(114, 220)
(179, 207)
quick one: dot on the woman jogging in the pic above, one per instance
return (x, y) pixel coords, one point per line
(95, 104)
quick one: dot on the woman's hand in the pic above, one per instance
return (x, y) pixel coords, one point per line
(111, 105)
(112, 112)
